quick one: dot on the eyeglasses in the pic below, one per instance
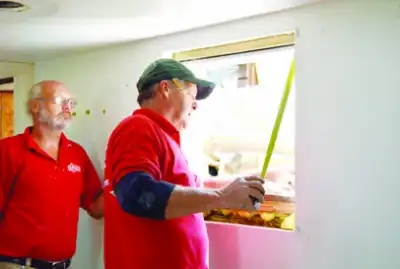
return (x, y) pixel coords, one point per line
(58, 100)
(178, 85)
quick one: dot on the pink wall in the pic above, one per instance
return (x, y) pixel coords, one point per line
(242, 247)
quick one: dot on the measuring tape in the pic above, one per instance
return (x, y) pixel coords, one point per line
(279, 116)
(277, 125)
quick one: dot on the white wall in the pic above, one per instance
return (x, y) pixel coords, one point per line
(23, 79)
(347, 143)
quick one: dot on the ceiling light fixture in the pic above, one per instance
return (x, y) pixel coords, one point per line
(13, 11)
(13, 5)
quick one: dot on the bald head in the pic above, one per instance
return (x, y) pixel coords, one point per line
(45, 89)
(50, 104)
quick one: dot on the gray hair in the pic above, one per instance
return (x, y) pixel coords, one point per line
(35, 92)
(147, 94)
(150, 91)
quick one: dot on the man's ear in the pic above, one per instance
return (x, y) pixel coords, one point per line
(163, 88)
(33, 106)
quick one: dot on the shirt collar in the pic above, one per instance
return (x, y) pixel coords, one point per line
(161, 121)
(31, 143)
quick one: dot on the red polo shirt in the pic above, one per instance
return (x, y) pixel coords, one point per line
(41, 218)
(147, 142)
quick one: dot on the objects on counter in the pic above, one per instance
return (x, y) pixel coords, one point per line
(213, 170)
(289, 223)
(277, 211)
(264, 219)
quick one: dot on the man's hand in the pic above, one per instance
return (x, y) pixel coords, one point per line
(240, 193)
(96, 209)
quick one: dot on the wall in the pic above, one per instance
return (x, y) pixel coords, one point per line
(23, 79)
(347, 145)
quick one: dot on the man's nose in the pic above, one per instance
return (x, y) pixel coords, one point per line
(66, 108)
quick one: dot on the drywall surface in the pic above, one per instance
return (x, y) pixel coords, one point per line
(23, 74)
(347, 142)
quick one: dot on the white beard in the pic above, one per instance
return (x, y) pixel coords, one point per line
(55, 123)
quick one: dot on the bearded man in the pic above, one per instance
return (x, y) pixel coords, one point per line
(44, 179)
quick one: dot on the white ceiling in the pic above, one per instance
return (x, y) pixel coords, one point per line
(53, 28)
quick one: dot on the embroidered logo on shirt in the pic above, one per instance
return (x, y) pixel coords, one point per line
(73, 168)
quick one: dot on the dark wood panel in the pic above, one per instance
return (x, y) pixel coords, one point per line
(6, 80)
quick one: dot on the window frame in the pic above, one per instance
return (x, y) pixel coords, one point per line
(261, 43)
(245, 46)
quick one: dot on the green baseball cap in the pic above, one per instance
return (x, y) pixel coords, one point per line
(168, 69)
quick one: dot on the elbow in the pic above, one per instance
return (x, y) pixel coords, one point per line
(128, 207)
(140, 207)
(124, 204)
(140, 195)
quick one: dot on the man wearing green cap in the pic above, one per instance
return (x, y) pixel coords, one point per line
(153, 202)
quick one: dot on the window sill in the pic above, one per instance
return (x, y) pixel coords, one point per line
(228, 224)
(261, 219)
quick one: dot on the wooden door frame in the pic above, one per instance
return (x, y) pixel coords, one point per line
(2, 92)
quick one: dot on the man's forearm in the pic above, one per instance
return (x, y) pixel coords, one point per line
(213, 183)
(140, 195)
(185, 201)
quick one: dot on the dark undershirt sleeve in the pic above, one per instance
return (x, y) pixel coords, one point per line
(139, 194)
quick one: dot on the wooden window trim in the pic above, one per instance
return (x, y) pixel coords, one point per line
(268, 42)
